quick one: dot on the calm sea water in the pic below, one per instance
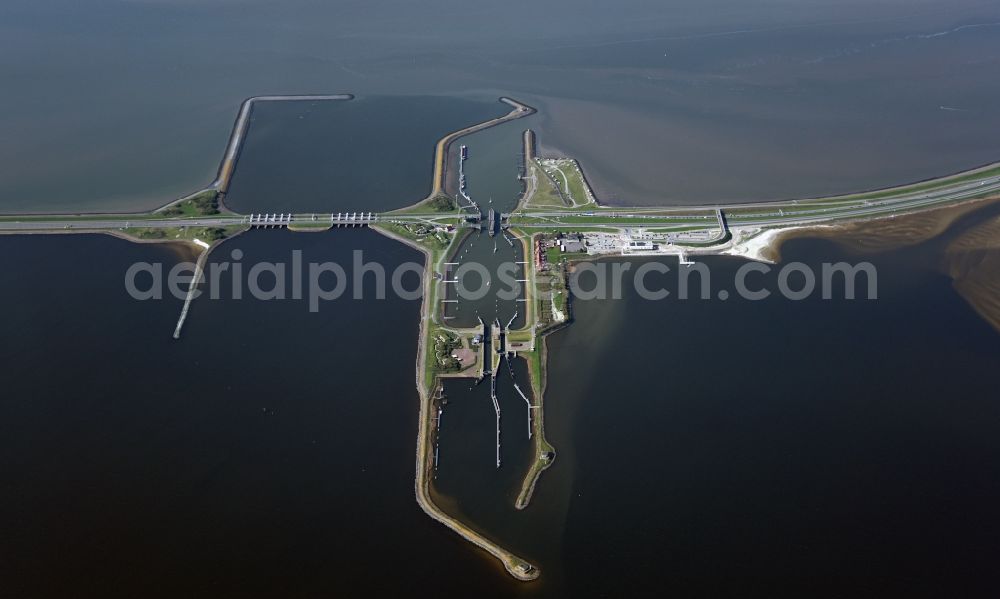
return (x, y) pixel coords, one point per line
(705, 447)
(366, 154)
(772, 448)
(491, 169)
(122, 105)
(782, 448)
(268, 452)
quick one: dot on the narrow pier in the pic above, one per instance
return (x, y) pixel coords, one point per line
(528, 143)
(199, 269)
(437, 439)
(527, 401)
(461, 177)
(517, 387)
(494, 367)
(496, 407)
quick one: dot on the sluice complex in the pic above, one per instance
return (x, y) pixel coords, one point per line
(557, 220)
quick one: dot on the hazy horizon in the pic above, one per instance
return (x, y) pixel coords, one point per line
(124, 105)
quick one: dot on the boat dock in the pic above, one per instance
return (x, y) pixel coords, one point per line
(517, 388)
(461, 173)
(527, 401)
(496, 408)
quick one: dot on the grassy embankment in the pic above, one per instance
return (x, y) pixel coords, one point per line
(439, 204)
(831, 205)
(182, 233)
(203, 203)
(428, 373)
(545, 292)
(560, 185)
(544, 451)
(28, 218)
(650, 220)
(539, 321)
(310, 227)
(920, 186)
(437, 244)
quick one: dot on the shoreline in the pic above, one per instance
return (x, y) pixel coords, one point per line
(226, 166)
(541, 447)
(766, 245)
(517, 567)
(238, 135)
(541, 444)
(761, 242)
(550, 151)
(439, 181)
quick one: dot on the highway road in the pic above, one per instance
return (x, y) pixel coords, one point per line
(790, 213)
(872, 208)
(103, 224)
(113, 222)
